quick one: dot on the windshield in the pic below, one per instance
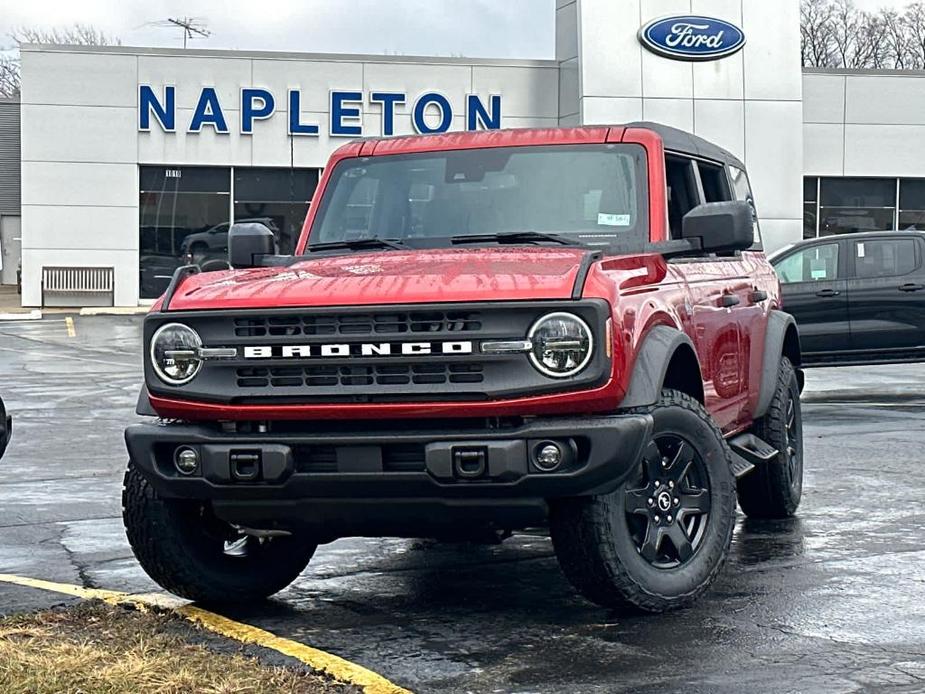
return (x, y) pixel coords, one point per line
(589, 194)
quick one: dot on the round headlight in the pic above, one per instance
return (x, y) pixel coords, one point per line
(562, 345)
(175, 353)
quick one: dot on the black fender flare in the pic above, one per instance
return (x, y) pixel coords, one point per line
(775, 347)
(143, 406)
(651, 366)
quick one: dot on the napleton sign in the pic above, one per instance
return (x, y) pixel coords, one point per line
(431, 112)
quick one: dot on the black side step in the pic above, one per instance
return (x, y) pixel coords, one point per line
(748, 451)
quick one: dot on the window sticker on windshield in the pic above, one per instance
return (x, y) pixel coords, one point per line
(860, 250)
(613, 220)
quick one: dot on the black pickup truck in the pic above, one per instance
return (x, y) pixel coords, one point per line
(857, 298)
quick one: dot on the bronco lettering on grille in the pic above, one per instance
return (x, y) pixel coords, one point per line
(357, 349)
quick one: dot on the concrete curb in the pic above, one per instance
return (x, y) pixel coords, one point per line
(35, 314)
(114, 310)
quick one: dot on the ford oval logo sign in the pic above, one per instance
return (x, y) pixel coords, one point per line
(692, 38)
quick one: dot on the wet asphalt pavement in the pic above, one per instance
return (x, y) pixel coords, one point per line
(831, 601)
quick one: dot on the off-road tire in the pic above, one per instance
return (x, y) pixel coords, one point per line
(172, 541)
(774, 489)
(593, 544)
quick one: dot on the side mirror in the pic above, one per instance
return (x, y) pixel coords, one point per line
(720, 227)
(248, 242)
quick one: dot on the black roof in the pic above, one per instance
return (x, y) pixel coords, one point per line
(686, 143)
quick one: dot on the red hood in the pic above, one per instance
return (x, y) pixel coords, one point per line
(431, 276)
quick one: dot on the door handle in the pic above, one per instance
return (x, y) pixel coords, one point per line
(911, 287)
(730, 300)
(828, 292)
(757, 296)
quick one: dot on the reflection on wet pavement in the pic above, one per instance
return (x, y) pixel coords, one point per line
(830, 601)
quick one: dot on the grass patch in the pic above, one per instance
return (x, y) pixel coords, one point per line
(95, 648)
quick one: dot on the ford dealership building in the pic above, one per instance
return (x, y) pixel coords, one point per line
(133, 158)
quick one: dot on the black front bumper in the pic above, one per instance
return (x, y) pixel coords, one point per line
(384, 482)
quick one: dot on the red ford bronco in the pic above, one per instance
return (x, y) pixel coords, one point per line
(478, 333)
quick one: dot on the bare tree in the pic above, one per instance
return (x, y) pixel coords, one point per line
(78, 34)
(817, 44)
(915, 28)
(9, 76)
(834, 33)
(870, 50)
(895, 38)
(845, 28)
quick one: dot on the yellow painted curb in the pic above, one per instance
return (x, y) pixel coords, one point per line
(333, 665)
(110, 596)
(319, 660)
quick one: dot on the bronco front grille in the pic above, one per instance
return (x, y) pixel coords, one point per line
(373, 374)
(399, 323)
(335, 355)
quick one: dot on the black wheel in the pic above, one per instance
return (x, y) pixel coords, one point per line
(773, 490)
(190, 553)
(659, 540)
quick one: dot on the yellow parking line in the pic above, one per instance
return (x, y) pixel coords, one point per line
(335, 666)
(71, 330)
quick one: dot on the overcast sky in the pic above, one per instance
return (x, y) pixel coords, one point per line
(471, 28)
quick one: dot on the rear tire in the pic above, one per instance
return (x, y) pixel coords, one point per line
(189, 552)
(621, 551)
(774, 489)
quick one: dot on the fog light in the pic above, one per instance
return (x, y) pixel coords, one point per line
(548, 456)
(186, 460)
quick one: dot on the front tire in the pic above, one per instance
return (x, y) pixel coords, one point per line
(189, 552)
(774, 488)
(660, 539)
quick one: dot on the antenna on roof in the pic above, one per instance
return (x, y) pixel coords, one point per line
(193, 27)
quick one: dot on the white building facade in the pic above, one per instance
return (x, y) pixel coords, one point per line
(133, 158)
(864, 161)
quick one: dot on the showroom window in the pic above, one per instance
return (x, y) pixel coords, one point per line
(856, 204)
(810, 207)
(185, 214)
(277, 198)
(178, 207)
(912, 204)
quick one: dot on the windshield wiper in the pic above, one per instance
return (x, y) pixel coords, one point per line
(515, 237)
(357, 244)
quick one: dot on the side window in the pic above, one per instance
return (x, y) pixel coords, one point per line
(715, 183)
(682, 191)
(884, 258)
(743, 191)
(814, 264)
